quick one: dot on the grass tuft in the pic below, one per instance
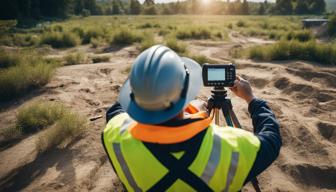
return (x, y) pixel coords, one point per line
(126, 37)
(194, 33)
(29, 73)
(100, 58)
(324, 54)
(178, 47)
(38, 116)
(60, 40)
(75, 58)
(68, 127)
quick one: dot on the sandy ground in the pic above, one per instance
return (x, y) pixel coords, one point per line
(302, 95)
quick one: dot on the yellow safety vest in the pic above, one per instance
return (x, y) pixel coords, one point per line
(224, 159)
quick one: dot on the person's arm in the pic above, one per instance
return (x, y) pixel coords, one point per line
(265, 125)
(114, 110)
(266, 128)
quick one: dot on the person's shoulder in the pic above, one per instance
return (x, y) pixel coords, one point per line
(116, 121)
(236, 136)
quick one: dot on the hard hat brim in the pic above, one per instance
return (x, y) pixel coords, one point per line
(156, 117)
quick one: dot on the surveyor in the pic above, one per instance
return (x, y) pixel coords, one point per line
(158, 138)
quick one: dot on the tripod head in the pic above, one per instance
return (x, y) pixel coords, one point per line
(218, 99)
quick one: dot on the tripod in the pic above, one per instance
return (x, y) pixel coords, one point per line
(219, 101)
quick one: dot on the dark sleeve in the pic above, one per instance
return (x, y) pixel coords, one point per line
(116, 109)
(266, 128)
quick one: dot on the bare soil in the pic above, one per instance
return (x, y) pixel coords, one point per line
(302, 95)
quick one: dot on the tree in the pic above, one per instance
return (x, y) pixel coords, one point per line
(284, 7)
(148, 2)
(245, 10)
(135, 7)
(301, 7)
(261, 10)
(317, 6)
(150, 10)
(194, 6)
(115, 7)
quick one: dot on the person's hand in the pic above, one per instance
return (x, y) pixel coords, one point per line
(242, 89)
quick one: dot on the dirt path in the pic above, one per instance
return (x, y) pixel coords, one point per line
(303, 97)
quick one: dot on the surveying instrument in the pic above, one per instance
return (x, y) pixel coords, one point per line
(219, 77)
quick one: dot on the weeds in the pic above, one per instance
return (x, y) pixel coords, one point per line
(100, 58)
(8, 59)
(75, 58)
(178, 47)
(147, 43)
(68, 127)
(302, 36)
(38, 116)
(16, 81)
(193, 33)
(125, 37)
(288, 50)
(60, 124)
(60, 40)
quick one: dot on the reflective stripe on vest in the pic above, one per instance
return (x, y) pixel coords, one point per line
(223, 161)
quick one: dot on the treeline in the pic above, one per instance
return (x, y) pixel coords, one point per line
(40, 9)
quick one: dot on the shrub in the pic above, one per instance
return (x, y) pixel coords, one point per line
(75, 58)
(60, 124)
(94, 34)
(241, 23)
(126, 37)
(230, 26)
(149, 25)
(25, 39)
(332, 25)
(100, 58)
(178, 47)
(193, 33)
(10, 133)
(38, 116)
(302, 36)
(68, 127)
(60, 40)
(146, 43)
(96, 42)
(29, 73)
(78, 31)
(8, 59)
(325, 54)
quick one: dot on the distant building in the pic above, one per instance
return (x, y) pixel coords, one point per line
(308, 23)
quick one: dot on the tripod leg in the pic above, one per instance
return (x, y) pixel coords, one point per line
(234, 119)
(227, 117)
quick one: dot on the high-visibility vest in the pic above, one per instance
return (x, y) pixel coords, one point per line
(223, 161)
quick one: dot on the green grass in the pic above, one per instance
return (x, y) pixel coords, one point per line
(324, 54)
(193, 33)
(60, 124)
(67, 128)
(100, 58)
(60, 40)
(75, 58)
(303, 35)
(126, 37)
(25, 71)
(178, 46)
(8, 59)
(38, 116)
